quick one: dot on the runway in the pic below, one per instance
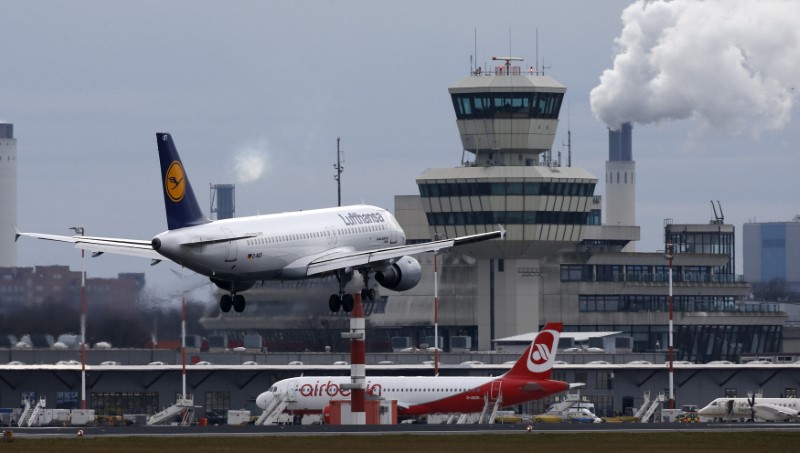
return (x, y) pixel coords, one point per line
(418, 429)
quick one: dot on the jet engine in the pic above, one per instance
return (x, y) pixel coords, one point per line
(403, 275)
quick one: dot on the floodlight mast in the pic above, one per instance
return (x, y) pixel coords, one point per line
(339, 169)
(81, 230)
(671, 371)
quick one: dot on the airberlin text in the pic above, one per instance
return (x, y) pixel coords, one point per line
(354, 218)
(331, 389)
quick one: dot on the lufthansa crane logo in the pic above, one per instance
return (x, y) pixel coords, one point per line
(541, 352)
(175, 182)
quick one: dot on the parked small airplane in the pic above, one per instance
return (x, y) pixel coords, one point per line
(527, 380)
(236, 253)
(752, 408)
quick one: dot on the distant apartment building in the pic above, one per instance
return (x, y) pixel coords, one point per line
(772, 252)
(33, 286)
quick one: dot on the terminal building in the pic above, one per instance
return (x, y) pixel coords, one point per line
(564, 258)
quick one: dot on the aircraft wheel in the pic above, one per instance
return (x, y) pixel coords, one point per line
(364, 294)
(225, 303)
(238, 303)
(335, 303)
(371, 294)
(348, 302)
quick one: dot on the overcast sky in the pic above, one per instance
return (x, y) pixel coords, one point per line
(88, 83)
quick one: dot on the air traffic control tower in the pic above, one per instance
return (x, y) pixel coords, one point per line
(507, 119)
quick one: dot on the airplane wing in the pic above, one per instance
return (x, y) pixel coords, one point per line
(774, 412)
(350, 259)
(99, 245)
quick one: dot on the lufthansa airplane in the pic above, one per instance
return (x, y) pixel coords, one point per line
(236, 253)
(527, 380)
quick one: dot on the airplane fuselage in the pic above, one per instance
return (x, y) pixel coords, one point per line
(278, 246)
(415, 395)
(772, 409)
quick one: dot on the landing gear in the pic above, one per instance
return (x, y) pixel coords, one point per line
(238, 303)
(235, 301)
(225, 303)
(339, 300)
(368, 294)
(346, 301)
(335, 302)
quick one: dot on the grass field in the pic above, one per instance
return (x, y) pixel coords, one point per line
(484, 443)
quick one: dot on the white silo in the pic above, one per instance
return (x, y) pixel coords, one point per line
(8, 195)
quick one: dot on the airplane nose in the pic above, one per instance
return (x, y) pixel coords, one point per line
(263, 400)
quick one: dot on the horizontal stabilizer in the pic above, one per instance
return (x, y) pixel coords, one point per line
(100, 245)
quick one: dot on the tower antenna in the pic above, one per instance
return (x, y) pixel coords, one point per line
(475, 49)
(509, 40)
(569, 138)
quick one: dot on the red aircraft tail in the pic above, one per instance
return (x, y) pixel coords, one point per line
(537, 360)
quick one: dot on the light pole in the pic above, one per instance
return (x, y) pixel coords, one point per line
(339, 169)
(435, 313)
(671, 372)
(80, 230)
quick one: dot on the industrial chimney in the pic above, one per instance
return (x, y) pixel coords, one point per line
(621, 180)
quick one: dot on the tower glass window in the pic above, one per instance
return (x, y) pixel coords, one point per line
(507, 105)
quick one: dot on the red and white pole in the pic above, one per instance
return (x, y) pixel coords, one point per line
(358, 362)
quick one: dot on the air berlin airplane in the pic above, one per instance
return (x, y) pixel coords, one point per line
(528, 380)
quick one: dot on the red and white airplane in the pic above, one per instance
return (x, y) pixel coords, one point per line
(528, 380)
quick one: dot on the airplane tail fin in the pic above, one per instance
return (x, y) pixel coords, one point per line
(537, 360)
(179, 200)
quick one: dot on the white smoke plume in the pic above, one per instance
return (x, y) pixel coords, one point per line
(731, 64)
(250, 161)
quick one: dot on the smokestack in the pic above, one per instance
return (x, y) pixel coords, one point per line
(620, 143)
(621, 180)
(626, 142)
(614, 147)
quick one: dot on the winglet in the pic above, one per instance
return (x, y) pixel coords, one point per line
(17, 233)
(502, 231)
(179, 200)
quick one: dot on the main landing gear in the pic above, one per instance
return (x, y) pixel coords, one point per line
(232, 299)
(235, 301)
(346, 301)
